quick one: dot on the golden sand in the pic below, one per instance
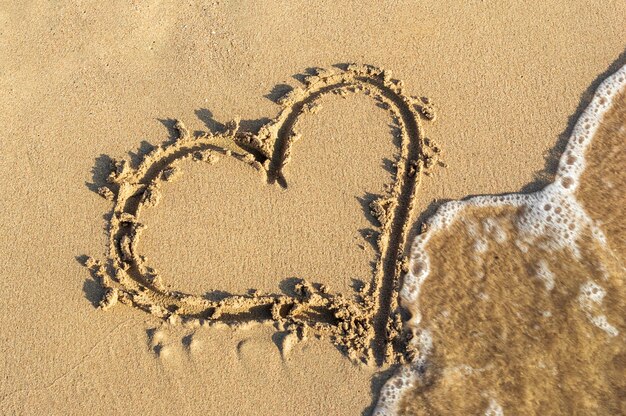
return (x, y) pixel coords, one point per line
(84, 82)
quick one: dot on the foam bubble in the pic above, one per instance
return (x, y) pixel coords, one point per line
(591, 293)
(405, 378)
(590, 299)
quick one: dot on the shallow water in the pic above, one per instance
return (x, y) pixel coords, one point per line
(518, 301)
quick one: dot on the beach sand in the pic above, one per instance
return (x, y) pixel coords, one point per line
(86, 83)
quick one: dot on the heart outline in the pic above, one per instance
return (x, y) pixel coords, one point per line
(374, 312)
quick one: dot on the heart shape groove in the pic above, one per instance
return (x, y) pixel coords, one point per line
(368, 324)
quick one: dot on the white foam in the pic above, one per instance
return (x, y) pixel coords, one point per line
(405, 378)
(551, 219)
(590, 298)
(494, 409)
(480, 243)
(493, 228)
(545, 274)
(553, 214)
(601, 322)
(591, 293)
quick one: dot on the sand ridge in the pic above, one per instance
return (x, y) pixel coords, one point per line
(366, 324)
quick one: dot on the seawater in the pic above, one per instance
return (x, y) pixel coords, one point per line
(518, 301)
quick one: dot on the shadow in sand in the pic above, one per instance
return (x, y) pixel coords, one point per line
(378, 381)
(102, 166)
(91, 287)
(546, 175)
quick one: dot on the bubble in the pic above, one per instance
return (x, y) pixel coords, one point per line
(567, 182)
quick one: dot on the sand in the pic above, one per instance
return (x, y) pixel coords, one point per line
(83, 84)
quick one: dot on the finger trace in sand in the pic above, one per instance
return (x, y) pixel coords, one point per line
(366, 324)
(532, 312)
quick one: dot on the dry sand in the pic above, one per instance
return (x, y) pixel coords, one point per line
(83, 83)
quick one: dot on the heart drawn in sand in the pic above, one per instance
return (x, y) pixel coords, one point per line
(367, 323)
